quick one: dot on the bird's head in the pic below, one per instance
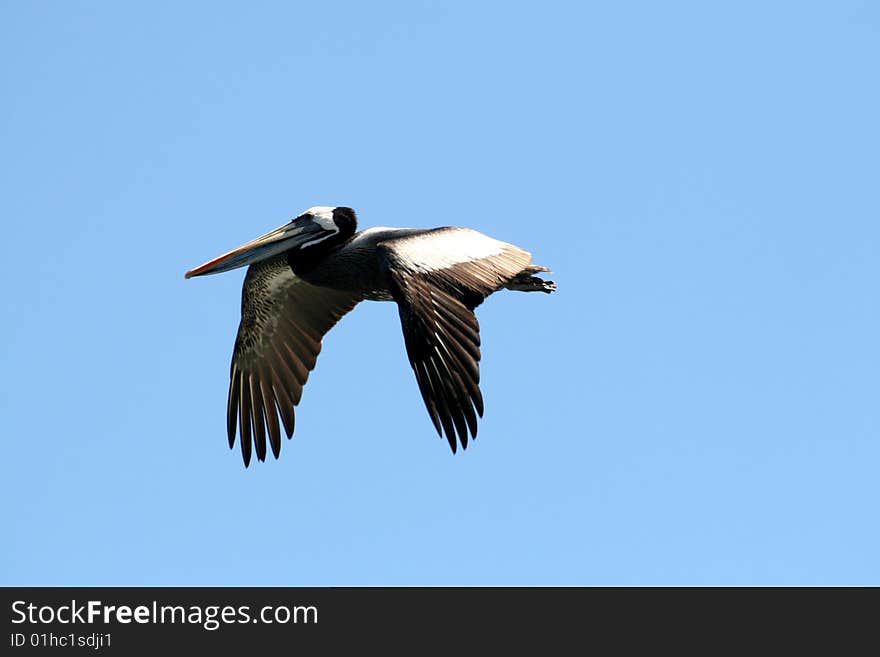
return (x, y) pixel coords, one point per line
(317, 229)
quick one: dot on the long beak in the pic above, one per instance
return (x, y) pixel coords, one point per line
(279, 240)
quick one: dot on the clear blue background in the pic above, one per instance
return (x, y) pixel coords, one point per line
(698, 404)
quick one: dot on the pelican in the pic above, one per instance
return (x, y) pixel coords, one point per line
(304, 276)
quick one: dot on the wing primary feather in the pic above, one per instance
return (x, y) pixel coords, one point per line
(468, 341)
(271, 412)
(244, 422)
(291, 382)
(453, 398)
(442, 410)
(468, 371)
(466, 406)
(308, 346)
(447, 417)
(257, 417)
(297, 368)
(458, 313)
(232, 406)
(283, 401)
(454, 350)
(424, 387)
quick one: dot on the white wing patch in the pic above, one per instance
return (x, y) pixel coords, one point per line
(442, 249)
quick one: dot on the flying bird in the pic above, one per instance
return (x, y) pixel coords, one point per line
(304, 276)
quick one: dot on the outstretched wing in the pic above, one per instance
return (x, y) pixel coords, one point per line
(283, 320)
(437, 278)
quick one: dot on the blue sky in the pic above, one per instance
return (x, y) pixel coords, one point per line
(698, 404)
